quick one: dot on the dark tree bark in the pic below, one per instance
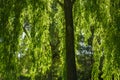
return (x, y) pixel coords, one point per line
(70, 52)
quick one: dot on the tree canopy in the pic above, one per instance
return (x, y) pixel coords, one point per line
(59, 39)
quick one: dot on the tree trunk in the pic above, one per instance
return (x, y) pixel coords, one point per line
(70, 52)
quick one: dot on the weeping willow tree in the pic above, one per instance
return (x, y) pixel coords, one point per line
(39, 39)
(25, 43)
(37, 51)
(106, 37)
(104, 17)
(23, 38)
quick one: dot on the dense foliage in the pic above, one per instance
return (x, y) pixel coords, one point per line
(33, 39)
